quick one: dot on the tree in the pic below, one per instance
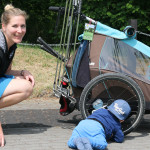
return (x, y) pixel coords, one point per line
(114, 13)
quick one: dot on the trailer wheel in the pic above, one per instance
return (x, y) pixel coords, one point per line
(109, 87)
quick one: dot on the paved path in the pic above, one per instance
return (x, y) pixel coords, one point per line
(37, 125)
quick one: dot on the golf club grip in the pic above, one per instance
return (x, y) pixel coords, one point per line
(47, 48)
(53, 8)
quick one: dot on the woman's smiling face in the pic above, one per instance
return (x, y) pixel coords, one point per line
(15, 30)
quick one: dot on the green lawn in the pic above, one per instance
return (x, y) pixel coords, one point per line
(41, 64)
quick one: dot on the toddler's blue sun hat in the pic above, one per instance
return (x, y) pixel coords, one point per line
(120, 108)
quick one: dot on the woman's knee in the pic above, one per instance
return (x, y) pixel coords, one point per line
(21, 86)
(28, 89)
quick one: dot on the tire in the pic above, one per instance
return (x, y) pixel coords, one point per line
(109, 87)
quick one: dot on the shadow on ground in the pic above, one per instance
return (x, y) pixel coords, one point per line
(38, 118)
(24, 128)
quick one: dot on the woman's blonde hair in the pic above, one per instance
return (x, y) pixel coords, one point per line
(10, 11)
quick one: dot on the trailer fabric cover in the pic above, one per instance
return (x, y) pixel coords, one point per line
(81, 71)
(106, 30)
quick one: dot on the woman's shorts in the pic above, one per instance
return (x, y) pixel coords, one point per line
(4, 81)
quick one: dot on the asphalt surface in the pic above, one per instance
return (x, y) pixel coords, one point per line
(37, 125)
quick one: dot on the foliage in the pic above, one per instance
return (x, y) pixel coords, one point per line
(117, 13)
(114, 13)
(41, 20)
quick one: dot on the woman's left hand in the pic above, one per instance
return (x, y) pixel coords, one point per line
(28, 76)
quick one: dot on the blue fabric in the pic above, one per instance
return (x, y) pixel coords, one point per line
(92, 130)
(4, 81)
(78, 58)
(120, 108)
(106, 30)
(110, 122)
(83, 143)
(83, 76)
(114, 33)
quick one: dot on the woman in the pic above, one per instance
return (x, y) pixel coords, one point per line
(15, 85)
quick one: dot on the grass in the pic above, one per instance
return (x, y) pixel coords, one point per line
(42, 66)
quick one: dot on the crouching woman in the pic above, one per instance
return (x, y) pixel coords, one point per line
(15, 85)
